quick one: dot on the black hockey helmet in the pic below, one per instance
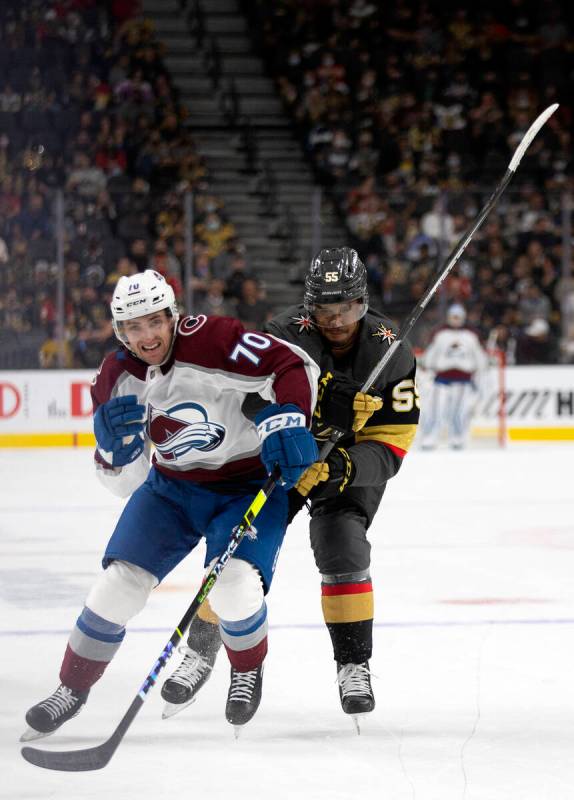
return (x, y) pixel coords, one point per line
(336, 276)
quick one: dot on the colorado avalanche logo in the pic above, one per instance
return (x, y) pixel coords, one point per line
(182, 428)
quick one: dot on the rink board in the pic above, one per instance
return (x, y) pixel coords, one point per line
(54, 409)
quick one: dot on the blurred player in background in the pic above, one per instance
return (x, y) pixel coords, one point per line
(458, 364)
(335, 327)
(181, 385)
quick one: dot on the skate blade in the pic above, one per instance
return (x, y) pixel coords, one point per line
(357, 720)
(237, 731)
(30, 734)
(171, 709)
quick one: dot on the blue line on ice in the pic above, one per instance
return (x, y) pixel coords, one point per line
(317, 626)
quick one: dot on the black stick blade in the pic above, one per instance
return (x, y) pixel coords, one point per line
(91, 758)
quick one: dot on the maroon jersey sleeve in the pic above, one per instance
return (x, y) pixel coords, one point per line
(106, 378)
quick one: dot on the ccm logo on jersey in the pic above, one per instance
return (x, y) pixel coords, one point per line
(279, 421)
(182, 428)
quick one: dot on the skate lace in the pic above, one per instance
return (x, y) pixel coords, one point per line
(242, 685)
(191, 669)
(354, 679)
(61, 701)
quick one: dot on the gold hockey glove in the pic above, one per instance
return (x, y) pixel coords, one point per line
(364, 406)
(341, 405)
(328, 478)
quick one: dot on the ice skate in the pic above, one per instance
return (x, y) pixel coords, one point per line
(180, 689)
(244, 697)
(46, 717)
(355, 691)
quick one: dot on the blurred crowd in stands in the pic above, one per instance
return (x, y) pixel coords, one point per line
(87, 106)
(408, 112)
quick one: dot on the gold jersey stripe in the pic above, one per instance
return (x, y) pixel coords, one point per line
(398, 435)
(348, 607)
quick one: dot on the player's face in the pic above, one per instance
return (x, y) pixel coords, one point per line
(338, 321)
(149, 337)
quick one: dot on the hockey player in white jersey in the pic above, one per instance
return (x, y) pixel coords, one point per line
(457, 362)
(182, 386)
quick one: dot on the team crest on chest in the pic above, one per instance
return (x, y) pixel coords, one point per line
(183, 427)
(384, 334)
(304, 322)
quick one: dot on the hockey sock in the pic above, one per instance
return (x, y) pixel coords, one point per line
(92, 644)
(348, 609)
(246, 640)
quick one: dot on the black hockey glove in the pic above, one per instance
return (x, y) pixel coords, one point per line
(328, 478)
(341, 405)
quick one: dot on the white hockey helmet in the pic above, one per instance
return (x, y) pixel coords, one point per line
(456, 315)
(138, 295)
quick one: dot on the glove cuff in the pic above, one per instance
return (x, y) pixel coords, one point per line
(276, 418)
(106, 456)
(345, 468)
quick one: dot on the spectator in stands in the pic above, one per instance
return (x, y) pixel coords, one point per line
(139, 253)
(536, 344)
(10, 101)
(164, 261)
(214, 233)
(201, 276)
(533, 303)
(86, 179)
(94, 336)
(214, 302)
(238, 273)
(252, 308)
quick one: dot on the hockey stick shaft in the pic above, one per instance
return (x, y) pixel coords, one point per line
(97, 757)
(451, 261)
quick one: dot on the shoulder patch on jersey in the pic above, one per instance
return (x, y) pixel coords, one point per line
(190, 325)
(304, 322)
(384, 334)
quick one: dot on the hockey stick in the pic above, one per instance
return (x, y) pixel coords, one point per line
(452, 259)
(94, 758)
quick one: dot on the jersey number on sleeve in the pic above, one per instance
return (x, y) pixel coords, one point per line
(255, 341)
(405, 396)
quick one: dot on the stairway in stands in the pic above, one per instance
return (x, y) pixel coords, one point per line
(262, 224)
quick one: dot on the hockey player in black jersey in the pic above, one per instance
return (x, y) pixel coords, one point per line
(336, 328)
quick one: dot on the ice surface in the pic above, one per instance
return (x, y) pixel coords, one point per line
(473, 565)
